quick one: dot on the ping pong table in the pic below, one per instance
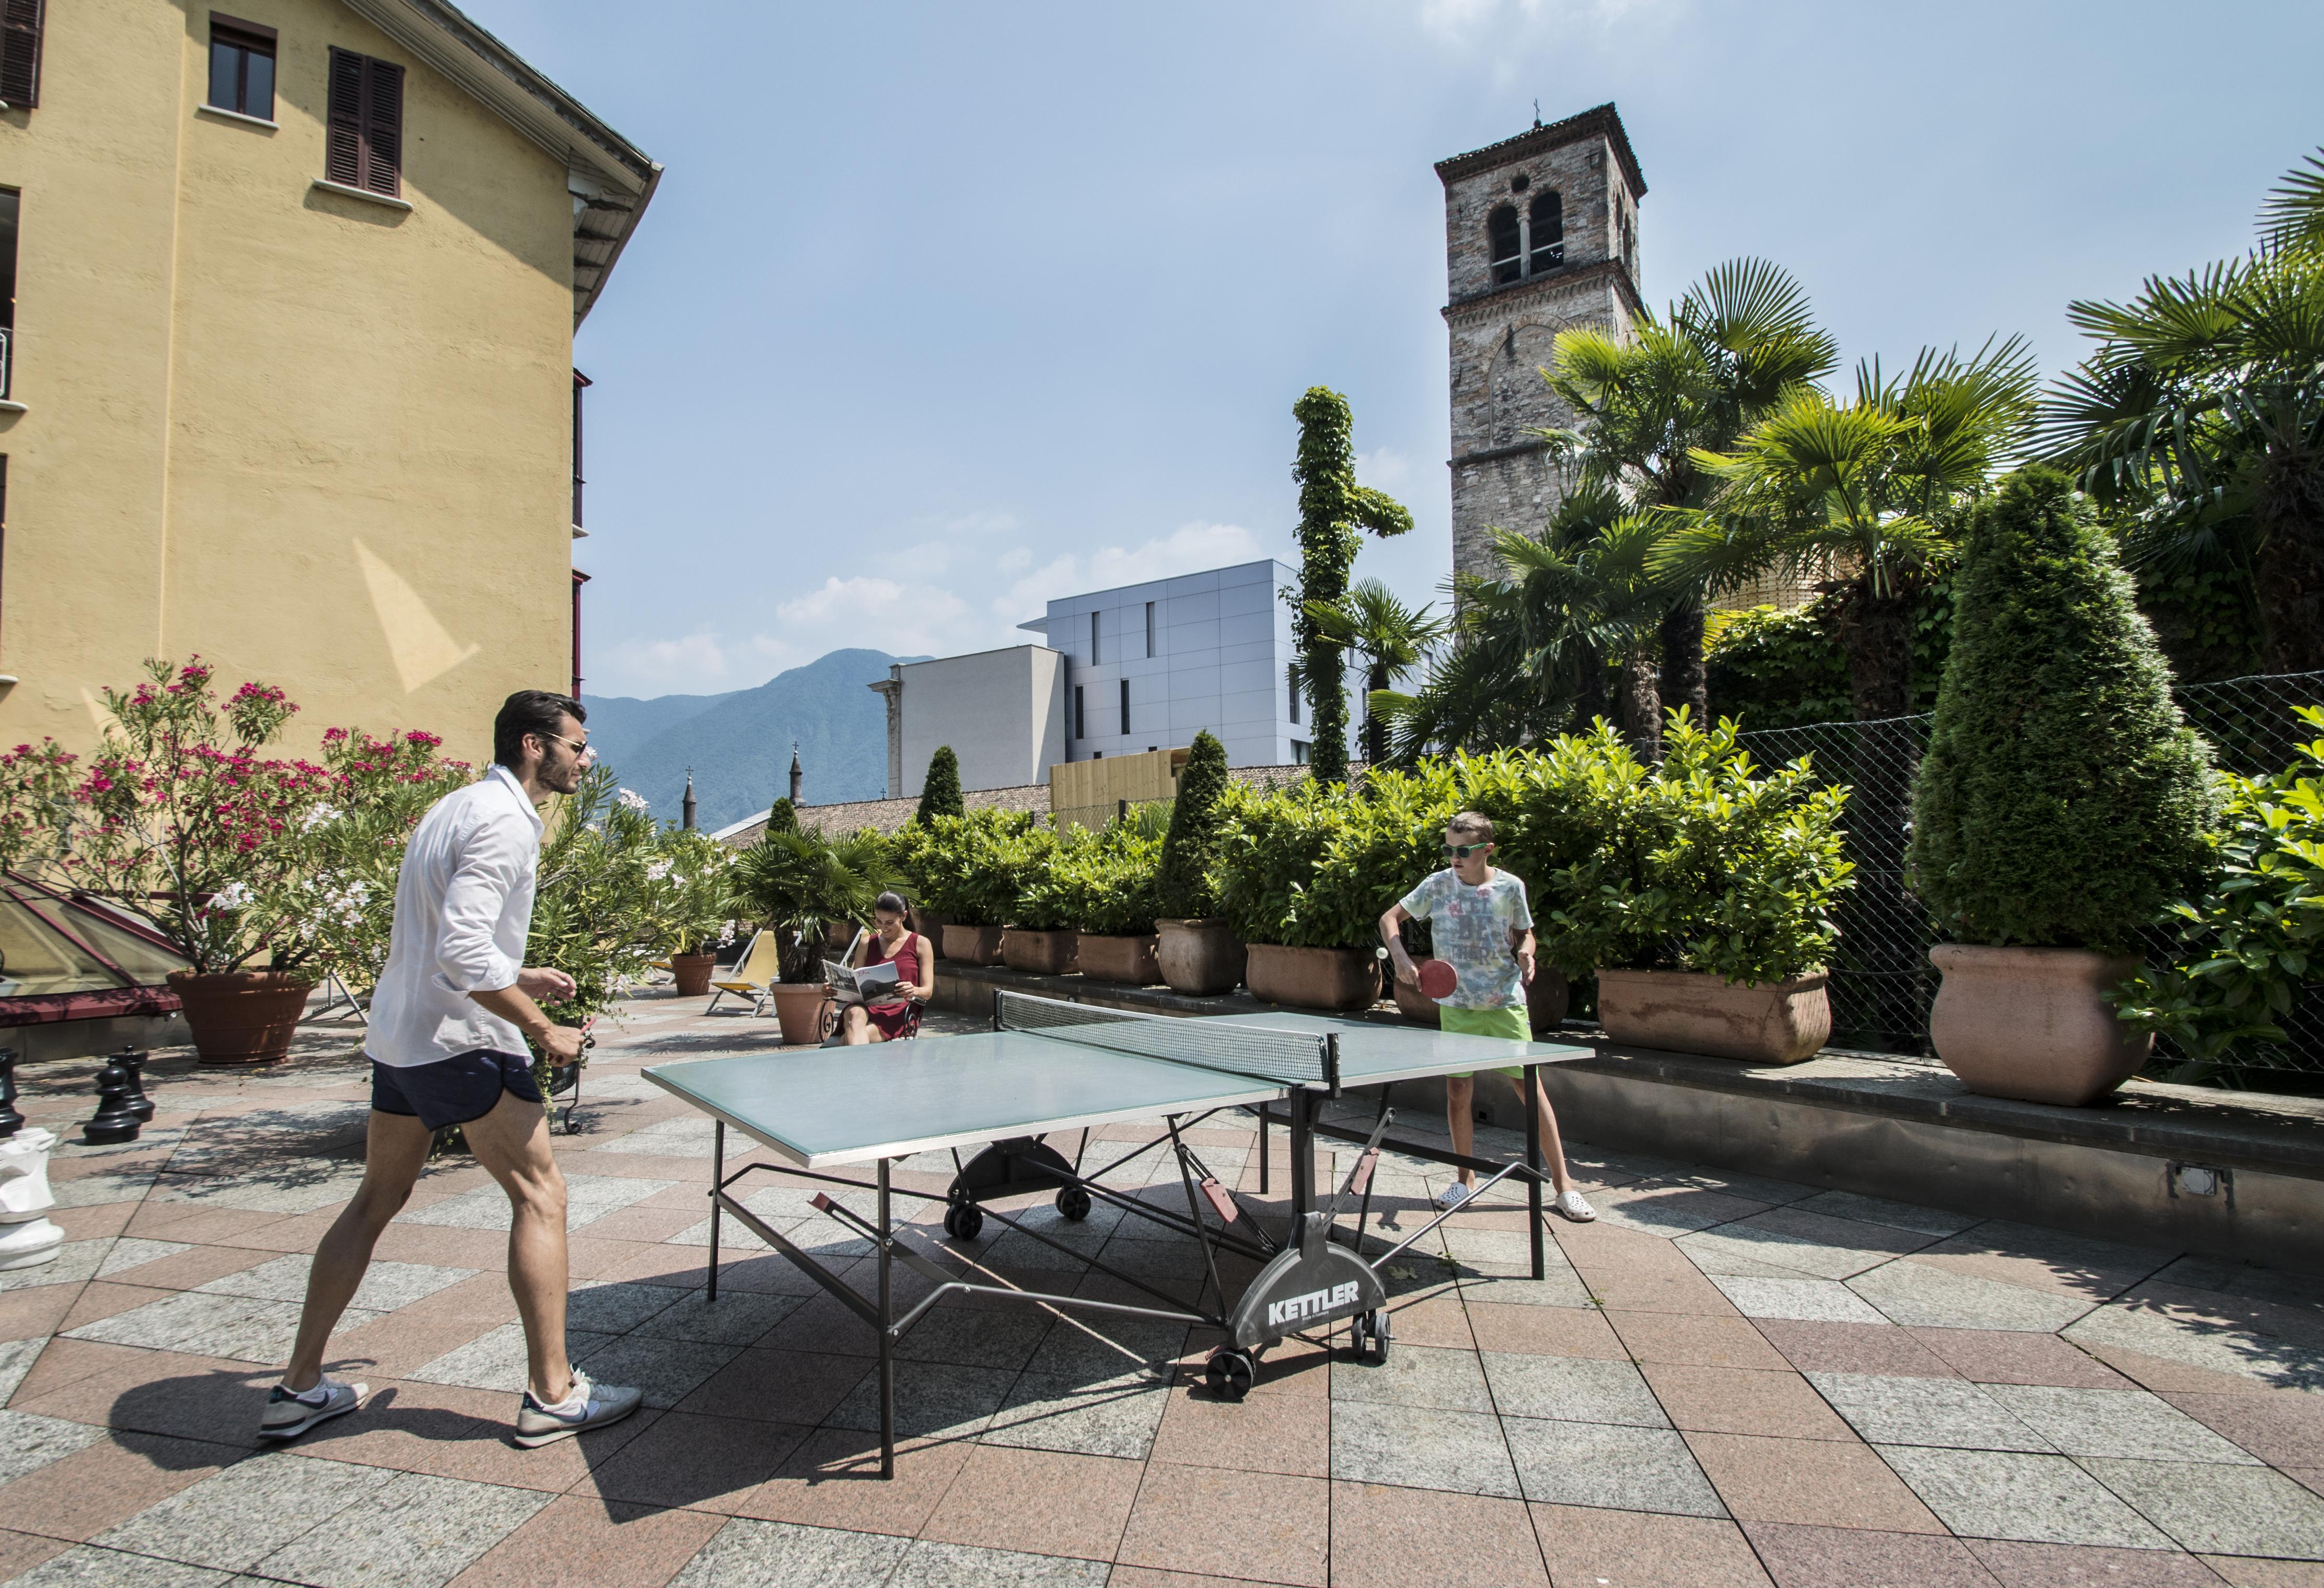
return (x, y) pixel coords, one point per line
(1049, 1068)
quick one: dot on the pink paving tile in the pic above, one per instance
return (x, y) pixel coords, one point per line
(1212, 1521)
(1685, 1294)
(450, 1432)
(197, 1266)
(1433, 1320)
(799, 1387)
(1609, 1250)
(163, 1392)
(27, 1315)
(1816, 1483)
(2165, 1377)
(2268, 1574)
(108, 1483)
(184, 1221)
(1638, 1549)
(93, 1223)
(2010, 1356)
(1290, 1434)
(1545, 1331)
(832, 1481)
(1744, 1401)
(2066, 1565)
(700, 1463)
(1039, 1501)
(442, 1246)
(2283, 1427)
(1853, 1349)
(1694, 1341)
(21, 1552)
(1391, 1537)
(1849, 1557)
(61, 1362)
(578, 1539)
(2059, 1265)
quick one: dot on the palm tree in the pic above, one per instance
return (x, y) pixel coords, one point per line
(2200, 416)
(1391, 638)
(1740, 341)
(797, 884)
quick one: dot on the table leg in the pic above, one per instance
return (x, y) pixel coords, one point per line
(1262, 1148)
(1303, 1159)
(887, 1339)
(1533, 1162)
(717, 1189)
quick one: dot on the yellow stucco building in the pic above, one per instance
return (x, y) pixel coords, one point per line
(288, 371)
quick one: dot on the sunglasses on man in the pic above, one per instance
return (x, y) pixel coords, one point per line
(1462, 851)
(582, 747)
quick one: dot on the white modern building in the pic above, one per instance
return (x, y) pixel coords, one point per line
(1150, 665)
(1002, 712)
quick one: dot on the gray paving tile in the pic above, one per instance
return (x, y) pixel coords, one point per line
(495, 1360)
(1504, 1253)
(236, 1518)
(746, 1554)
(416, 1531)
(930, 1564)
(2128, 1423)
(1420, 1447)
(29, 1442)
(588, 1198)
(933, 1399)
(1917, 1294)
(2098, 1268)
(738, 1318)
(308, 1186)
(689, 1135)
(1090, 1346)
(1559, 1287)
(385, 1286)
(615, 1307)
(1806, 1300)
(1571, 1389)
(75, 1262)
(130, 1251)
(2242, 1279)
(974, 1336)
(16, 1359)
(1108, 1416)
(1891, 1410)
(1903, 1215)
(2219, 1344)
(1818, 1245)
(1415, 1375)
(2220, 1509)
(239, 1327)
(84, 1566)
(2012, 1494)
(1670, 1211)
(98, 1190)
(666, 1370)
(1610, 1466)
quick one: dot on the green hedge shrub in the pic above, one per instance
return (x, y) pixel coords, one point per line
(1101, 883)
(2063, 800)
(971, 868)
(1184, 882)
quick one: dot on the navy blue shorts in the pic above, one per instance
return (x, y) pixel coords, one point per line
(451, 1092)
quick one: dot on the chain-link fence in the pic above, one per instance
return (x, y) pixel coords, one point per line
(1881, 981)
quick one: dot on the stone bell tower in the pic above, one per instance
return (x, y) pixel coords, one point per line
(1541, 236)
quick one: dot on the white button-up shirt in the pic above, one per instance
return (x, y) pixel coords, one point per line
(463, 908)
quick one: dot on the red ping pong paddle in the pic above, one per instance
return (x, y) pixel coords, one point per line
(1438, 979)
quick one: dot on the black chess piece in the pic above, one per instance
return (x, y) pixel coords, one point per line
(116, 1119)
(133, 1059)
(11, 1121)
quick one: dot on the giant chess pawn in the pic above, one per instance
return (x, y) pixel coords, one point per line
(115, 1120)
(26, 1237)
(11, 1121)
(133, 1059)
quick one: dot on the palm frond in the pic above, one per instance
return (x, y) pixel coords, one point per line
(2293, 215)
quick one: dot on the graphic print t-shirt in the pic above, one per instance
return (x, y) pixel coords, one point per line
(1471, 927)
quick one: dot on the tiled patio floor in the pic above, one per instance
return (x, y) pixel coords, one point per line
(1726, 1381)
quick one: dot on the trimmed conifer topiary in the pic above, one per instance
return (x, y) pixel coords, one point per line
(1182, 881)
(781, 818)
(2062, 801)
(940, 790)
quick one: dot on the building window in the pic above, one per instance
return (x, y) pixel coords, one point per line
(3, 533)
(364, 145)
(1545, 234)
(1092, 639)
(1298, 752)
(1081, 713)
(580, 381)
(1503, 231)
(242, 67)
(20, 52)
(9, 201)
(1125, 707)
(1149, 628)
(1292, 690)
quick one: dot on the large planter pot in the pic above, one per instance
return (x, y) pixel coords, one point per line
(971, 945)
(2030, 1023)
(692, 972)
(1039, 953)
(797, 1004)
(1201, 957)
(930, 925)
(1411, 1003)
(241, 1016)
(1335, 979)
(1126, 960)
(1546, 1001)
(1692, 1012)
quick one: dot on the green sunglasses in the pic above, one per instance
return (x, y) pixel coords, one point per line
(1462, 851)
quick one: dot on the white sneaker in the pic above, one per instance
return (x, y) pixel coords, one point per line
(587, 1406)
(290, 1413)
(1453, 1196)
(1570, 1204)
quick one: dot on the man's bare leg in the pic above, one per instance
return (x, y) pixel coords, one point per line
(395, 1149)
(511, 1142)
(1460, 1114)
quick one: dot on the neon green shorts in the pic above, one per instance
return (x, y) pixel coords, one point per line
(1508, 1021)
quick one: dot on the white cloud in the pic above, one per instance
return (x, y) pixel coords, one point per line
(692, 664)
(1384, 469)
(1465, 21)
(1188, 549)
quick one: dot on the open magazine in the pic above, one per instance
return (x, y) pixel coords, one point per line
(873, 984)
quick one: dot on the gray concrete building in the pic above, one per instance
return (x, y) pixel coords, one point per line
(1541, 236)
(1002, 712)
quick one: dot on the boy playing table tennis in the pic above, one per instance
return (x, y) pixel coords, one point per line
(1478, 918)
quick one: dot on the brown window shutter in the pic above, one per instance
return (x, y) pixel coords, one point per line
(343, 135)
(382, 127)
(20, 52)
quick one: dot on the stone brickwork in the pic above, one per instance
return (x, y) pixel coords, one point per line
(1503, 333)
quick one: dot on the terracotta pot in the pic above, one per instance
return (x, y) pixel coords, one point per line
(2029, 1023)
(1126, 960)
(930, 925)
(1546, 1001)
(692, 972)
(1692, 1012)
(1200, 958)
(1039, 953)
(971, 945)
(1313, 978)
(241, 1016)
(797, 1004)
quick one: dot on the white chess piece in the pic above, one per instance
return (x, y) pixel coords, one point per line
(27, 1239)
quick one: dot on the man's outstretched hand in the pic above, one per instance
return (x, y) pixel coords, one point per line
(543, 985)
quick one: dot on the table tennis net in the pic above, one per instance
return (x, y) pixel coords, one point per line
(1290, 1057)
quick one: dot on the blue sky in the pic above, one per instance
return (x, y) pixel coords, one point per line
(941, 311)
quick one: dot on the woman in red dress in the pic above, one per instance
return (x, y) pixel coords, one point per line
(915, 970)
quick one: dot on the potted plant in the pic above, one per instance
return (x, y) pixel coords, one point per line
(797, 884)
(967, 873)
(1109, 887)
(1303, 920)
(1706, 909)
(2061, 803)
(1195, 948)
(1039, 937)
(694, 876)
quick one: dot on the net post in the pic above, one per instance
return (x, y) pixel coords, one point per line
(1534, 1165)
(997, 996)
(1331, 1062)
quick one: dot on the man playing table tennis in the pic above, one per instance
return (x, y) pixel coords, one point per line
(1483, 932)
